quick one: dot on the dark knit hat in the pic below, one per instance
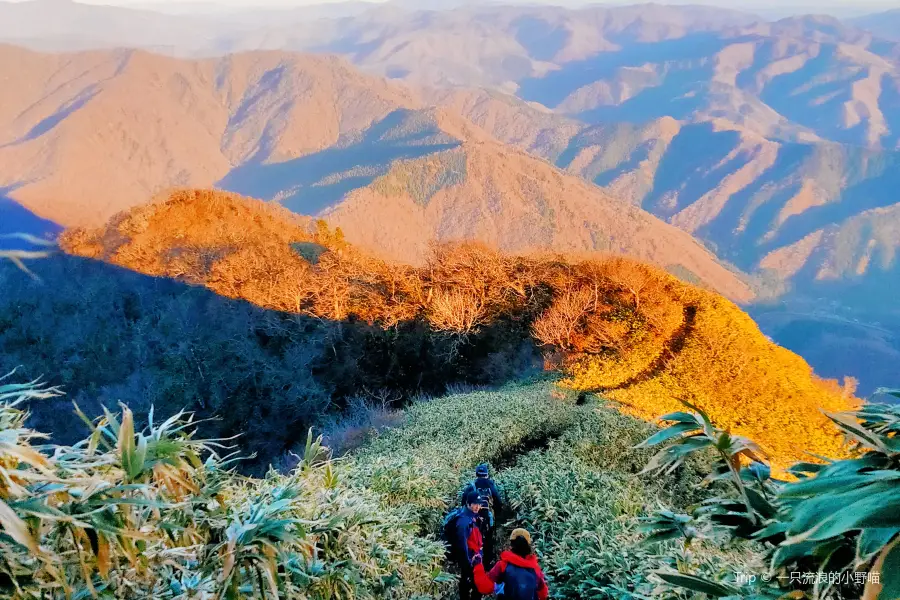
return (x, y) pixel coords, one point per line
(482, 470)
(473, 497)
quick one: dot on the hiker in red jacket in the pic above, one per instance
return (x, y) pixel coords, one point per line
(517, 576)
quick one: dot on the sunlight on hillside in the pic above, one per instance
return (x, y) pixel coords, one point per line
(623, 329)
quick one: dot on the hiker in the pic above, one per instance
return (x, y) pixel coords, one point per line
(465, 542)
(490, 513)
(517, 576)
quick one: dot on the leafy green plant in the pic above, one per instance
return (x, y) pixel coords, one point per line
(838, 519)
(693, 432)
(667, 525)
(138, 512)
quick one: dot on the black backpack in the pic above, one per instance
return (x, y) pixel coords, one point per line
(485, 494)
(448, 525)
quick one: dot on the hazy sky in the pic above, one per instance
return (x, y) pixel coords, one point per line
(886, 4)
(763, 7)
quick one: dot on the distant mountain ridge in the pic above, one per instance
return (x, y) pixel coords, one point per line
(816, 223)
(87, 135)
(316, 136)
(797, 79)
(885, 24)
(788, 209)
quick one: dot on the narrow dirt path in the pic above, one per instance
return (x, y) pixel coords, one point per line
(672, 348)
(509, 459)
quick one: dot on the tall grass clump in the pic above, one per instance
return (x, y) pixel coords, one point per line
(831, 531)
(138, 512)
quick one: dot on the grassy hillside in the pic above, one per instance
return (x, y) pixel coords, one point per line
(159, 521)
(471, 314)
(567, 468)
(362, 527)
(718, 361)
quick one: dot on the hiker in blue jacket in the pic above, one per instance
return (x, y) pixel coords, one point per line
(466, 543)
(491, 507)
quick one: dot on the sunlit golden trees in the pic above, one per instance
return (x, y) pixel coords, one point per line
(559, 324)
(621, 328)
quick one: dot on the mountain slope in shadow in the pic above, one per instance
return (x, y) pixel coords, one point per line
(15, 218)
(470, 313)
(106, 334)
(316, 182)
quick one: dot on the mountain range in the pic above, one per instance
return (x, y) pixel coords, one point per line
(87, 135)
(885, 24)
(319, 138)
(775, 145)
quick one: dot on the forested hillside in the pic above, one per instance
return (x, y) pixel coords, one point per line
(774, 144)
(270, 323)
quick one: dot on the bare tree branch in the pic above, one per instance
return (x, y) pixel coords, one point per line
(17, 257)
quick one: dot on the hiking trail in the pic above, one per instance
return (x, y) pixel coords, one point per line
(671, 348)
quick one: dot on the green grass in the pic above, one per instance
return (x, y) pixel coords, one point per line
(570, 473)
(423, 463)
(310, 251)
(422, 178)
(581, 498)
(365, 526)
